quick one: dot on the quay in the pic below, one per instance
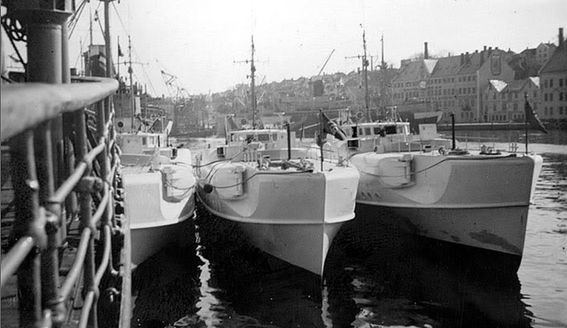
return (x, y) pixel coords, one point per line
(63, 232)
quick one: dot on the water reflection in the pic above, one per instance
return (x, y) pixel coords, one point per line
(407, 281)
(381, 278)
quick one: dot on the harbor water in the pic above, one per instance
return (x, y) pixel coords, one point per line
(377, 278)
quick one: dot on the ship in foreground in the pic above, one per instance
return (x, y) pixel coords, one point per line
(429, 187)
(287, 204)
(159, 191)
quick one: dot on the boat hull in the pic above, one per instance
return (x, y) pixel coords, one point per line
(148, 241)
(157, 203)
(293, 217)
(476, 201)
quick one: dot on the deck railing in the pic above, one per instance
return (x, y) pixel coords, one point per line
(59, 184)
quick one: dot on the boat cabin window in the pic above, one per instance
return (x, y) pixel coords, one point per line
(390, 129)
(144, 141)
(354, 132)
(379, 131)
(263, 137)
(275, 136)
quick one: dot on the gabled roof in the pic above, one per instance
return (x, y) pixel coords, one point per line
(547, 45)
(430, 65)
(529, 52)
(535, 80)
(472, 65)
(498, 85)
(557, 62)
(414, 70)
(447, 66)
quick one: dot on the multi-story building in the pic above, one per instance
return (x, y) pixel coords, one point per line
(544, 51)
(553, 81)
(525, 64)
(505, 101)
(457, 81)
(410, 85)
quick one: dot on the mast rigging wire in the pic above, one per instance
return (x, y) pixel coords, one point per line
(134, 49)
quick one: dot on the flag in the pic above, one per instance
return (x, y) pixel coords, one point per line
(532, 119)
(120, 54)
(331, 127)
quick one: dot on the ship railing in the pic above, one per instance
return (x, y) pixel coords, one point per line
(511, 144)
(329, 154)
(64, 165)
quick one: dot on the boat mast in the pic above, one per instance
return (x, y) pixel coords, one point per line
(382, 63)
(108, 55)
(130, 71)
(365, 71)
(252, 84)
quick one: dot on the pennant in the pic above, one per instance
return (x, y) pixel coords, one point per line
(532, 119)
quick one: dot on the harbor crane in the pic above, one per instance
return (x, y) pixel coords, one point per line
(174, 89)
(325, 64)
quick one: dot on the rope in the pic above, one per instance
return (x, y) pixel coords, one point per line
(255, 174)
(219, 160)
(431, 166)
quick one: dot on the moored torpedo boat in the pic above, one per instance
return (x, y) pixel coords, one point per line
(159, 191)
(477, 200)
(284, 202)
(428, 187)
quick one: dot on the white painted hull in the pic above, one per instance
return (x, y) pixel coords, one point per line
(294, 216)
(477, 201)
(157, 204)
(148, 241)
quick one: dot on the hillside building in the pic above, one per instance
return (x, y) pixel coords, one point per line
(553, 81)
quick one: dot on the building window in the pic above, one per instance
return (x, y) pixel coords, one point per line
(545, 97)
(551, 83)
(561, 96)
(560, 82)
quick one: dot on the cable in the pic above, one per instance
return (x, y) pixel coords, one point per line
(135, 52)
(218, 160)
(255, 174)
(432, 166)
(74, 20)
